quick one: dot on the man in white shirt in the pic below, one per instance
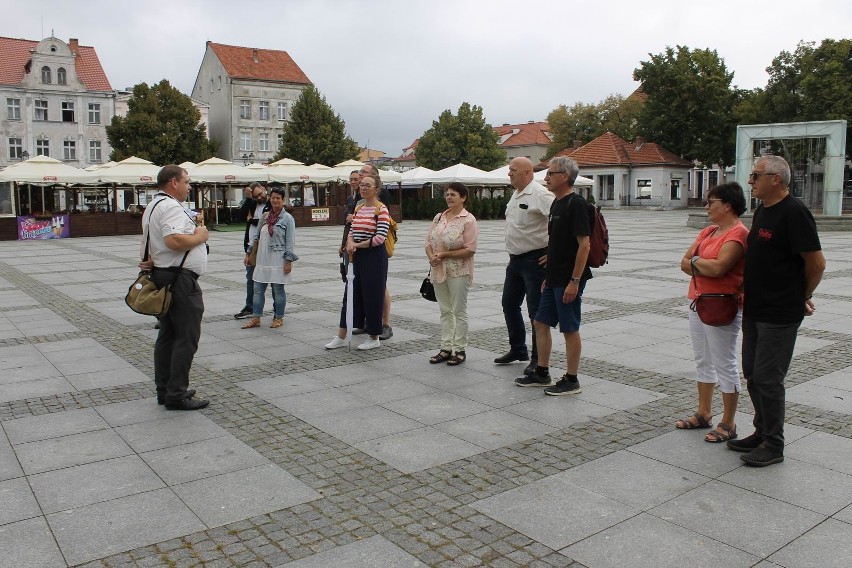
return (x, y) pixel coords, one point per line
(178, 256)
(526, 242)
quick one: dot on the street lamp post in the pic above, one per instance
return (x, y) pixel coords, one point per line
(25, 156)
(247, 158)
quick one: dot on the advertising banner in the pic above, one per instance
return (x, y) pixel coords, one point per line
(57, 227)
(320, 214)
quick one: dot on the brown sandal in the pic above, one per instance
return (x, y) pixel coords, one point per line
(443, 355)
(457, 359)
(277, 322)
(717, 437)
(253, 322)
(688, 424)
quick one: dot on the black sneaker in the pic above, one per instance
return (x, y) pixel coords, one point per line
(534, 380)
(563, 386)
(245, 313)
(358, 331)
(387, 333)
(746, 444)
(763, 456)
(531, 367)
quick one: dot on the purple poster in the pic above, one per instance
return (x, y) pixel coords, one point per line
(57, 227)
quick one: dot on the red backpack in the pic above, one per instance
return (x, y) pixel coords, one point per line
(599, 238)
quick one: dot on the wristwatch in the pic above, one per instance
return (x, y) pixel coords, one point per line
(573, 279)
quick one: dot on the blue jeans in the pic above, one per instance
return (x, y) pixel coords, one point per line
(249, 286)
(279, 299)
(524, 277)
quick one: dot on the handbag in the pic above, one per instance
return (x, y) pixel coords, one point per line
(253, 253)
(715, 309)
(144, 296)
(427, 289)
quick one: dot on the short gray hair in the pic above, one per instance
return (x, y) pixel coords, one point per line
(777, 165)
(568, 166)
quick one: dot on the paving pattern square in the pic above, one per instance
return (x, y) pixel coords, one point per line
(368, 553)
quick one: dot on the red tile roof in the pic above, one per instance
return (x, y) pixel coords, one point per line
(265, 64)
(529, 134)
(610, 150)
(15, 54)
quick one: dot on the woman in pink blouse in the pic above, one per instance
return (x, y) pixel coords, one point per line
(450, 246)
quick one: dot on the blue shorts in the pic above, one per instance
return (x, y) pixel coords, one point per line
(552, 310)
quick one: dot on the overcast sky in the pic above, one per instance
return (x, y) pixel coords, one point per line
(390, 67)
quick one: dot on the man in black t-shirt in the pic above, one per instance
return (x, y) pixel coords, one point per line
(783, 266)
(566, 274)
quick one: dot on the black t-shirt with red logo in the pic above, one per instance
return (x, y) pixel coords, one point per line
(569, 219)
(774, 279)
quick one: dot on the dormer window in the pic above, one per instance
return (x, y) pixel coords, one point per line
(45, 75)
(61, 76)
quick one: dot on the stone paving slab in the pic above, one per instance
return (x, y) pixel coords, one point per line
(309, 457)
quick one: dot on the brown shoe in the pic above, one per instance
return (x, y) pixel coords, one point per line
(277, 322)
(253, 322)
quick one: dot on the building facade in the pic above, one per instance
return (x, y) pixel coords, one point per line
(250, 93)
(57, 102)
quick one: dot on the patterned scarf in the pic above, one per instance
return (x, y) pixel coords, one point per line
(272, 219)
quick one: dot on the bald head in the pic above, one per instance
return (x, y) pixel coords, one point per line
(520, 172)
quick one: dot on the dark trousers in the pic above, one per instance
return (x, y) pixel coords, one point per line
(524, 277)
(249, 287)
(180, 330)
(368, 297)
(767, 352)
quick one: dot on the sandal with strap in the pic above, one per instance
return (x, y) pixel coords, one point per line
(688, 424)
(443, 355)
(457, 359)
(277, 322)
(253, 322)
(717, 437)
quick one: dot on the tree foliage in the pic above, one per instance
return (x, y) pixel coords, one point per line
(690, 104)
(463, 138)
(315, 133)
(161, 126)
(584, 122)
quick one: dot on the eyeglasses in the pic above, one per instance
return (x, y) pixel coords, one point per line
(549, 173)
(755, 175)
(366, 186)
(709, 201)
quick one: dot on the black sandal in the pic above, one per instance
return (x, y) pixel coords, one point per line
(443, 355)
(457, 359)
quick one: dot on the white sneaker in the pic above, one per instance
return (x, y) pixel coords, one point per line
(335, 343)
(370, 344)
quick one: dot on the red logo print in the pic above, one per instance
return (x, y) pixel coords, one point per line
(764, 234)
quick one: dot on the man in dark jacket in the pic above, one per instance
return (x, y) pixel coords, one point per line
(253, 207)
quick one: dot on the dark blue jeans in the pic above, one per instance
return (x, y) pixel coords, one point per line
(524, 277)
(767, 352)
(249, 287)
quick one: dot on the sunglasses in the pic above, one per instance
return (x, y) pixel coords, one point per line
(755, 175)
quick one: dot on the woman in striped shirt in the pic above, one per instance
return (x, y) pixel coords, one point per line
(366, 241)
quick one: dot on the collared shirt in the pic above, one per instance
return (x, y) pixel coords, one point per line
(452, 234)
(170, 218)
(526, 219)
(258, 213)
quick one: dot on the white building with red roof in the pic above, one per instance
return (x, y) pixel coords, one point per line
(250, 92)
(57, 102)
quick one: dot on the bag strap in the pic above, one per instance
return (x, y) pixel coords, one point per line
(148, 235)
(695, 253)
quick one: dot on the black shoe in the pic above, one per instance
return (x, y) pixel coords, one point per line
(563, 386)
(531, 367)
(187, 404)
(358, 331)
(746, 444)
(512, 356)
(157, 325)
(763, 456)
(161, 398)
(534, 380)
(387, 333)
(245, 313)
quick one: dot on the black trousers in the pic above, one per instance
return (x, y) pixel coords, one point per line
(180, 330)
(370, 266)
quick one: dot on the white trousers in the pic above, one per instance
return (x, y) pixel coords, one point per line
(715, 350)
(452, 299)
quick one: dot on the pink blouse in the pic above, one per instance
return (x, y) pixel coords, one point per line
(452, 234)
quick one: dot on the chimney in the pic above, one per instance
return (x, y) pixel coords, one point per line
(74, 45)
(577, 144)
(254, 55)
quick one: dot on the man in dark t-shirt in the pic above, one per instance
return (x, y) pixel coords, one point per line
(783, 266)
(566, 273)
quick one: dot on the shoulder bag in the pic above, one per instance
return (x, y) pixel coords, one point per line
(713, 309)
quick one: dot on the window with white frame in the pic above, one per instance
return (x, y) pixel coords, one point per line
(606, 185)
(245, 141)
(643, 188)
(245, 108)
(16, 148)
(43, 147)
(94, 113)
(67, 111)
(69, 150)
(263, 110)
(95, 154)
(13, 109)
(282, 111)
(61, 76)
(263, 142)
(45, 75)
(41, 110)
(280, 140)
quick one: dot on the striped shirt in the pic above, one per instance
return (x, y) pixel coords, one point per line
(364, 225)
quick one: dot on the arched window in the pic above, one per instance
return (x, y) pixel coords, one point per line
(45, 75)
(60, 76)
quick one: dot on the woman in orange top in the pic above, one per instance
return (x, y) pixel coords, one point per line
(717, 259)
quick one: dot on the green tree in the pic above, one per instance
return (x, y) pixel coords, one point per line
(463, 138)
(584, 122)
(315, 133)
(161, 126)
(690, 105)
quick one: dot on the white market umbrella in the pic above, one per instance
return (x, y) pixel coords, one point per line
(217, 170)
(132, 171)
(43, 171)
(415, 173)
(298, 173)
(579, 182)
(464, 174)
